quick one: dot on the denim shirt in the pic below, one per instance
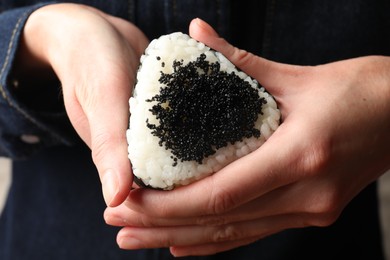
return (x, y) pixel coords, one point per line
(298, 32)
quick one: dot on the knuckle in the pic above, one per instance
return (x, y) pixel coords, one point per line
(211, 221)
(165, 211)
(241, 57)
(325, 209)
(220, 201)
(316, 159)
(145, 221)
(99, 145)
(227, 233)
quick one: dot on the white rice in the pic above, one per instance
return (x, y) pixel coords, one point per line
(153, 163)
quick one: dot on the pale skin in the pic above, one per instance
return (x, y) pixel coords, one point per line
(334, 139)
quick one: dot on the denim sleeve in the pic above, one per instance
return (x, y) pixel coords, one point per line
(29, 122)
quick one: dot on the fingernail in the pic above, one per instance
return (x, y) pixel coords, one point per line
(130, 243)
(176, 253)
(114, 220)
(110, 186)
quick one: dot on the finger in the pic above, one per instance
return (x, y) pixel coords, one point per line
(280, 201)
(186, 236)
(290, 199)
(272, 75)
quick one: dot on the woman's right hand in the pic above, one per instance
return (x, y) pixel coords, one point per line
(96, 57)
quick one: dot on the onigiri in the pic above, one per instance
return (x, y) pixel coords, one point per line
(192, 113)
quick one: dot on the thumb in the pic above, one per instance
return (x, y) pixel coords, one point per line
(272, 75)
(108, 121)
(109, 153)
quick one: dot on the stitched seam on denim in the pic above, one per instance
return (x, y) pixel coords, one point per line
(6, 61)
(7, 57)
(2, 90)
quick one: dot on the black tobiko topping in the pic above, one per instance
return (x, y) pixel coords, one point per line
(201, 109)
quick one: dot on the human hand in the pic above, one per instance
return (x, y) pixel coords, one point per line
(95, 56)
(334, 140)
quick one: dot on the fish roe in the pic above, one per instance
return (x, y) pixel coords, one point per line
(201, 109)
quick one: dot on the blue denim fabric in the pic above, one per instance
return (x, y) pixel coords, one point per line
(320, 31)
(55, 206)
(21, 127)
